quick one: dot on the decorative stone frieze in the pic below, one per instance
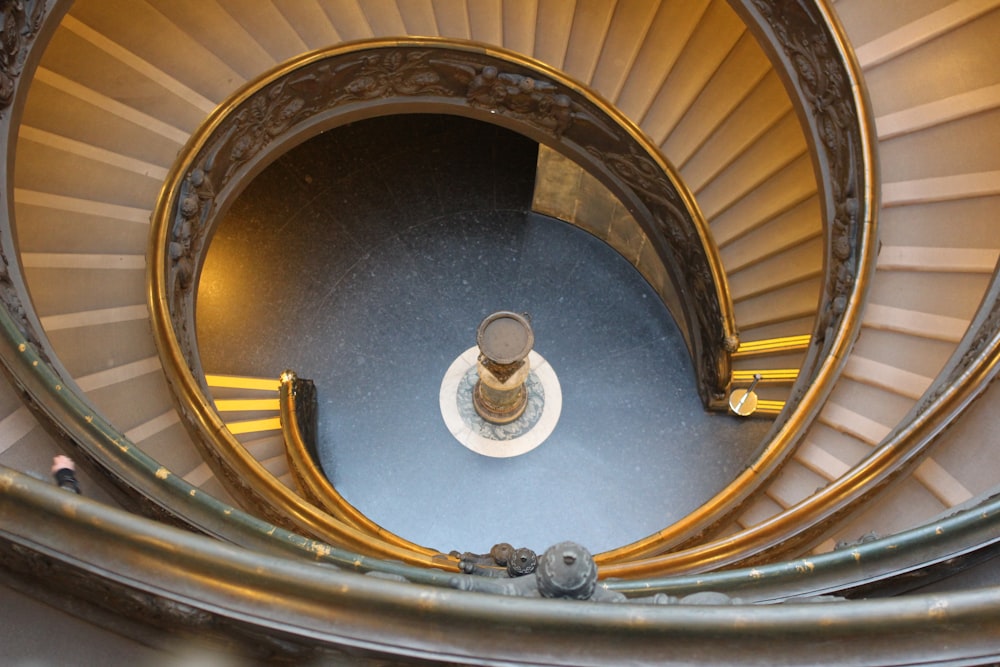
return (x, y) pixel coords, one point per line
(340, 85)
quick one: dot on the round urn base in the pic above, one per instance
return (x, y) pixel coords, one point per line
(499, 413)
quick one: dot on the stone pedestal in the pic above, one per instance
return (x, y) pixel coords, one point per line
(505, 339)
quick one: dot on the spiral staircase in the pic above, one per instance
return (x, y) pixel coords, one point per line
(112, 90)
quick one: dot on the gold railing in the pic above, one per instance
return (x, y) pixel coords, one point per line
(217, 156)
(794, 30)
(208, 171)
(318, 489)
(182, 585)
(301, 516)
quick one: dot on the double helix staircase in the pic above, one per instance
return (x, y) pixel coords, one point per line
(122, 85)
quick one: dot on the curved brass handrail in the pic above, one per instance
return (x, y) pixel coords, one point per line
(321, 89)
(155, 490)
(945, 541)
(315, 486)
(850, 221)
(175, 580)
(139, 481)
(973, 366)
(212, 164)
(299, 514)
(693, 526)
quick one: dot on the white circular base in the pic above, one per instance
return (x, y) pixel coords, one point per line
(500, 440)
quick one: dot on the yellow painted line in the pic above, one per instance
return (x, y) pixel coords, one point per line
(770, 407)
(767, 375)
(239, 382)
(246, 404)
(772, 345)
(255, 425)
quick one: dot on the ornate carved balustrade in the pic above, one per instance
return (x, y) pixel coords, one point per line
(329, 88)
(811, 54)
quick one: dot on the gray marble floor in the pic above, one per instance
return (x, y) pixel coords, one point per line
(365, 260)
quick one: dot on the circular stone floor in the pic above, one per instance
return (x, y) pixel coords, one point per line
(374, 305)
(632, 451)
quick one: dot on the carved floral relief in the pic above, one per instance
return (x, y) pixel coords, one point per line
(473, 84)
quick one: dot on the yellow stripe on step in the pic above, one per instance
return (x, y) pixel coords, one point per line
(767, 375)
(254, 425)
(246, 404)
(772, 346)
(239, 382)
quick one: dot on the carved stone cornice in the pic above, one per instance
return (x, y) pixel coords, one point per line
(20, 23)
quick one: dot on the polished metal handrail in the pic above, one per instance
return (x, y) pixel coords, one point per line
(262, 120)
(712, 513)
(177, 581)
(847, 568)
(808, 46)
(318, 489)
